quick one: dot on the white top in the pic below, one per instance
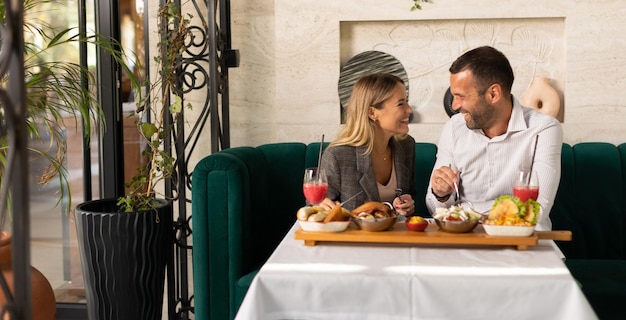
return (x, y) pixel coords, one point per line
(387, 192)
(405, 282)
(488, 167)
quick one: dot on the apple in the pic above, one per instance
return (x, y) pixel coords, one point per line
(416, 223)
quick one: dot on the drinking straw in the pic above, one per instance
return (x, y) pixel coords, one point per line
(532, 160)
(319, 157)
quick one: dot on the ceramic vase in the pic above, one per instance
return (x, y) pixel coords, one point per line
(42, 300)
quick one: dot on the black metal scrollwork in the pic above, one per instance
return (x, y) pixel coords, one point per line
(13, 132)
(203, 68)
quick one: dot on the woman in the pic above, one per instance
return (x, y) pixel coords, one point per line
(373, 155)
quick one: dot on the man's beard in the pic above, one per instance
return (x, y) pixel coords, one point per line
(482, 116)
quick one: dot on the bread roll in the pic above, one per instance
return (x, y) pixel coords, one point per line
(304, 213)
(318, 217)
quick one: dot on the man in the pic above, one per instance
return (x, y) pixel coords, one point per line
(483, 147)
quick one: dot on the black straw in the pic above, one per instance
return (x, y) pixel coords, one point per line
(532, 160)
(319, 157)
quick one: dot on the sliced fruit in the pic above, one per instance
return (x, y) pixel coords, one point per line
(416, 219)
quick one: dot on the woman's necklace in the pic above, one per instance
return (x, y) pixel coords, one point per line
(387, 154)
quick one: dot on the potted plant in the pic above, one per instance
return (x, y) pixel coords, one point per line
(125, 243)
(55, 93)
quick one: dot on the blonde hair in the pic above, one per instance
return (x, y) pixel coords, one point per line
(369, 91)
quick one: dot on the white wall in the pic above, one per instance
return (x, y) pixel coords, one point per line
(292, 51)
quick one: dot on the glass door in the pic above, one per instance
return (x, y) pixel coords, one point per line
(54, 250)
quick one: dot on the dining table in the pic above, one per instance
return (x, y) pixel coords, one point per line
(401, 281)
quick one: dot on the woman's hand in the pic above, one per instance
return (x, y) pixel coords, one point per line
(404, 205)
(328, 204)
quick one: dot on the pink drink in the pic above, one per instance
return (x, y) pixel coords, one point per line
(526, 192)
(315, 192)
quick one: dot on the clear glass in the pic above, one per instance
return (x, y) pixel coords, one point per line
(314, 185)
(526, 185)
(53, 250)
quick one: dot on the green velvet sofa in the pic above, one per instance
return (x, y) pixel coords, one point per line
(245, 200)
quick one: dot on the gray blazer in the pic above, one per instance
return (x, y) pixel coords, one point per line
(350, 171)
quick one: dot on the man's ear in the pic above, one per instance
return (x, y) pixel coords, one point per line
(494, 93)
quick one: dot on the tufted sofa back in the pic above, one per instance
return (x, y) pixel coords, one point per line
(591, 200)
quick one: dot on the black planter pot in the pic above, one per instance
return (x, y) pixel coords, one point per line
(124, 256)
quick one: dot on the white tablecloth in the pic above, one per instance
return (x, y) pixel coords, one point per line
(379, 281)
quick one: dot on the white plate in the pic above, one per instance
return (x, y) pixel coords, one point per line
(509, 231)
(333, 226)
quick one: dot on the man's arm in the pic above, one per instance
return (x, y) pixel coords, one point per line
(547, 164)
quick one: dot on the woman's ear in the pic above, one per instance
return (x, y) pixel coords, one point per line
(372, 114)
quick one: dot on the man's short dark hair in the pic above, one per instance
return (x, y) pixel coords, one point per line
(488, 66)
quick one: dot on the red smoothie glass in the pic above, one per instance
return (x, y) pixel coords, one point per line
(526, 187)
(314, 185)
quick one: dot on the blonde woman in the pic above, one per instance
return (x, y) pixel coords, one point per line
(373, 155)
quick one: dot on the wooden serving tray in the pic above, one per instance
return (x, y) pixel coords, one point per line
(400, 234)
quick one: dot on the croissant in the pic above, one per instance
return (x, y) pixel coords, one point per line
(375, 208)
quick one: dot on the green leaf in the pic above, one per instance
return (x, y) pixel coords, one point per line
(177, 105)
(148, 129)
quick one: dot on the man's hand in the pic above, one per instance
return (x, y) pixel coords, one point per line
(442, 182)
